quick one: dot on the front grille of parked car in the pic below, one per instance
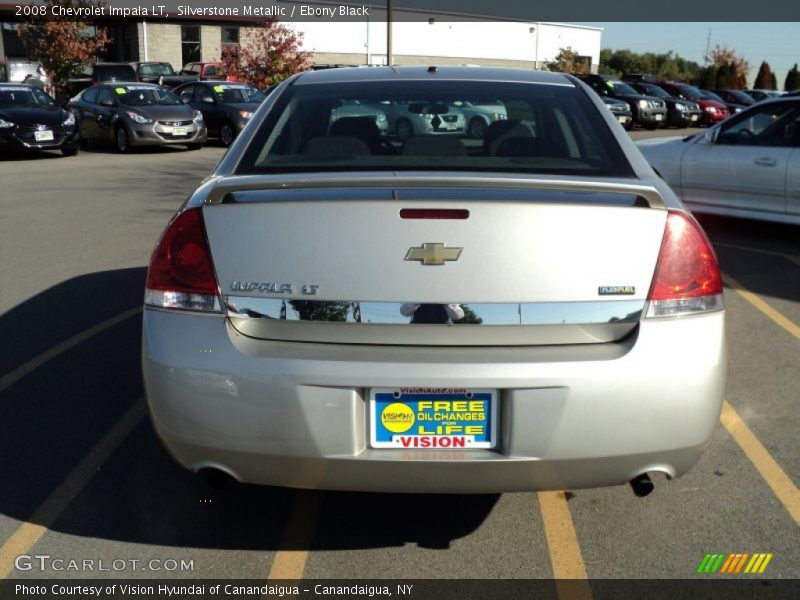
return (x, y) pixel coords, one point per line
(449, 118)
(175, 123)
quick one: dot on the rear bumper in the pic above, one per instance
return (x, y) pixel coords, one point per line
(297, 415)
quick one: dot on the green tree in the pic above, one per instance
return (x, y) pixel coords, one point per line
(568, 61)
(321, 311)
(725, 76)
(792, 81)
(764, 77)
(470, 317)
(737, 66)
(708, 78)
(667, 65)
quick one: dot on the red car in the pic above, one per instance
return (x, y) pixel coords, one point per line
(713, 111)
(206, 70)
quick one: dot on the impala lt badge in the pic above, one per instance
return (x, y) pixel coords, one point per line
(433, 254)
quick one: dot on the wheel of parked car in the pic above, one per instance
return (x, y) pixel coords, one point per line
(477, 128)
(121, 139)
(226, 134)
(404, 129)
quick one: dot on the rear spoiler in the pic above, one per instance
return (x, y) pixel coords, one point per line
(439, 186)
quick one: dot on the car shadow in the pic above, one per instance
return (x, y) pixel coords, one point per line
(757, 254)
(55, 414)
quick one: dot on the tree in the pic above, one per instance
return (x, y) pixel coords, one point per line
(470, 317)
(667, 66)
(764, 77)
(774, 82)
(266, 54)
(792, 79)
(739, 67)
(708, 78)
(60, 45)
(568, 61)
(725, 76)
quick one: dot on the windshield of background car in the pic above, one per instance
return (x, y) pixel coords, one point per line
(232, 93)
(691, 93)
(156, 69)
(411, 125)
(120, 73)
(654, 90)
(135, 95)
(621, 88)
(23, 96)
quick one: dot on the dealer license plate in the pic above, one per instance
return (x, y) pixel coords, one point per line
(659, 117)
(180, 131)
(43, 136)
(430, 418)
(622, 120)
(694, 117)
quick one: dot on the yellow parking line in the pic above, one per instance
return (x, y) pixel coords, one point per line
(789, 257)
(770, 470)
(292, 555)
(36, 362)
(765, 308)
(562, 543)
(27, 534)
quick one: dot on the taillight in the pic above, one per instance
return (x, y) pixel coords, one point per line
(687, 278)
(181, 273)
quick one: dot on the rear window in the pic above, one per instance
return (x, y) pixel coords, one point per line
(435, 125)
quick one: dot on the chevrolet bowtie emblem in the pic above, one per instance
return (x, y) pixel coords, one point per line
(432, 254)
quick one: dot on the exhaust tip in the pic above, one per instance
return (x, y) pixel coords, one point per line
(216, 479)
(642, 485)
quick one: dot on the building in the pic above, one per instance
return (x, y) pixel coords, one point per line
(417, 38)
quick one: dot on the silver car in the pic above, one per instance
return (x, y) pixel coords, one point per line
(532, 311)
(747, 166)
(137, 114)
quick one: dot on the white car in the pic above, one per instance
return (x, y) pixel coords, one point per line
(747, 166)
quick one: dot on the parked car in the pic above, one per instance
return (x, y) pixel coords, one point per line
(137, 114)
(759, 95)
(31, 120)
(3, 72)
(204, 70)
(354, 109)
(648, 111)
(281, 337)
(479, 116)
(747, 166)
(226, 107)
(680, 113)
(161, 73)
(408, 118)
(713, 111)
(100, 72)
(735, 96)
(621, 111)
(733, 107)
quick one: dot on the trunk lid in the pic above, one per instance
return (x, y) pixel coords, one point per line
(535, 266)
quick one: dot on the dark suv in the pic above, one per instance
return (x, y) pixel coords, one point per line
(101, 72)
(648, 111)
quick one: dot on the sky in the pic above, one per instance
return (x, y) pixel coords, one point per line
(777, 43)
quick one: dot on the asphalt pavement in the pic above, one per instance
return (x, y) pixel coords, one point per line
(85, 478)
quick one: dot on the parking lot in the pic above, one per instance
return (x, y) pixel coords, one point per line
(85, 478)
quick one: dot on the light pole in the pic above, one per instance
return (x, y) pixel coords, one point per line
(389, 32)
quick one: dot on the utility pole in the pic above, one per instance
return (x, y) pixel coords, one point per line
(389, 33)
(708, 46)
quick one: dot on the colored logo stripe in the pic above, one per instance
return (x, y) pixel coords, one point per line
(734, 563)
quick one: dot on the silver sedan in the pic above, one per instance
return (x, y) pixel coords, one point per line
(534, 310)
(746, 166)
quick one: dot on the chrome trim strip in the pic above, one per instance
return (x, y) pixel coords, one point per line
(389, 313)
